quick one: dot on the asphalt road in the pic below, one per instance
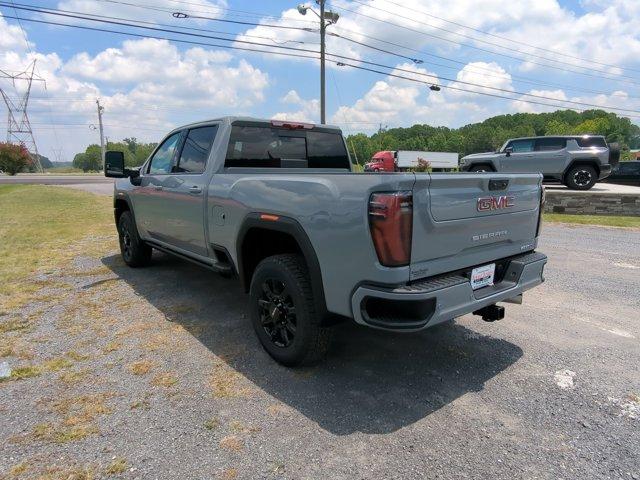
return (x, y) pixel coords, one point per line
(88, 183)
(550, 392)
(54, 179)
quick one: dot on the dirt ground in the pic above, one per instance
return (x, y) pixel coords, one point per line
(156, 373)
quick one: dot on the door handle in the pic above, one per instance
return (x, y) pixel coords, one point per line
(157, 187)
(195, 190)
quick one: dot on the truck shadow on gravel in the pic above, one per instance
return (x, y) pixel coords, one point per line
(371, 382)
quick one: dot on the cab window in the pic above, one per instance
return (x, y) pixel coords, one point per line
(550, 144)
(195, 151)
(161, 161)
(522, 146)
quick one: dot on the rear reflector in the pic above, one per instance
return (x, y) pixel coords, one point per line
(390, 221)
(269, 218)
(292, 125)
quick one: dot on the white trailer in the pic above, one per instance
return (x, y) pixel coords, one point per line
(437, 160)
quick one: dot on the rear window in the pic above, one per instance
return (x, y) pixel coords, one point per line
(268, 147)
(585, 142)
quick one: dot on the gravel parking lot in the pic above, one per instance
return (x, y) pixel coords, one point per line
(155, 373)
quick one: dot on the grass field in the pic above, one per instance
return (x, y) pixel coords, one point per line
(602, 220)
(42, 227)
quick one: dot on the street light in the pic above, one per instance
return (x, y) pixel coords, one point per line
(326, 18)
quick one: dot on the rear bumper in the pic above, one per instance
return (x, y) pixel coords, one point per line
(605, 171)
(427, 302)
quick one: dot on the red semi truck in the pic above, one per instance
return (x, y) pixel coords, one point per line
(397, 160)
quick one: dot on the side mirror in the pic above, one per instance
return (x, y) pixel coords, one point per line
(508, 151)
(114, 165)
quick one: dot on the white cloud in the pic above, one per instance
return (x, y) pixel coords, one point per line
(474, 74)
(307, 109)
(11, 37)
(524, 107)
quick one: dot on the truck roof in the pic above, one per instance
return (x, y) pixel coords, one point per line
(556, 136)
(229, 119)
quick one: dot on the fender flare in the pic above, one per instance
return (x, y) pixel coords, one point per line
(290, 227)
(123, 197)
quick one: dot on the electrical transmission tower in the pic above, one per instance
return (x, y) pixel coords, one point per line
(18, 127)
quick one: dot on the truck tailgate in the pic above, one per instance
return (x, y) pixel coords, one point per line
(461, 220)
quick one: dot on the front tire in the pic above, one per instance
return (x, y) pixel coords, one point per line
(581, 177)
(283, 312)
(135, 252)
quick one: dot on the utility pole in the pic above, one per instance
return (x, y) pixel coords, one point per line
(19, 129)
(322, 49)
(326, 19)
(102, 146)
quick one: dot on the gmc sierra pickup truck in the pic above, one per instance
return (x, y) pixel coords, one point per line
(278, 205)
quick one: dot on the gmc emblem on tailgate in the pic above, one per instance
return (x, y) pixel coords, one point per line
(495, 203)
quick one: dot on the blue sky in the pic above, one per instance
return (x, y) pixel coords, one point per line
(546, 51)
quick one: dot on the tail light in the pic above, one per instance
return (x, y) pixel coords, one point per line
(543, 200)
(390, 221)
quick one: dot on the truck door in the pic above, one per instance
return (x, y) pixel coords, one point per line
(521, 158)
(549, 155)
(149, 199)
(185, 192)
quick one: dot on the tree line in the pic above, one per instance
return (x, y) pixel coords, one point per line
(491, 134)
(135, 153)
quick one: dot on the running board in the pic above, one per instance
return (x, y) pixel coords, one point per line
(223, 269)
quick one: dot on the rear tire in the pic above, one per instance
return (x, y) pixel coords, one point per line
(480, 169)
(283, 312)
(135, 252)
(581, 177)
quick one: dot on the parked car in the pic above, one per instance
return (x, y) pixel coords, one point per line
(576, 161)
(277, 204)
(398, 160)
(627, 173)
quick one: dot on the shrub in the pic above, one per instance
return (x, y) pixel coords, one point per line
(14, 158)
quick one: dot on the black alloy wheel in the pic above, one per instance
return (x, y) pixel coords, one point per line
(277, 313)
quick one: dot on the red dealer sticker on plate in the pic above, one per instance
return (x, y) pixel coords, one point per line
(483, 276)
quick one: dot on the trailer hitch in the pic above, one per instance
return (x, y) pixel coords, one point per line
(491, 313)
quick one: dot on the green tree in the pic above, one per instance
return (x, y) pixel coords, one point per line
(90, 160)
(14, 158)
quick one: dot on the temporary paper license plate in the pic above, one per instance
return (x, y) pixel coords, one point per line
(482, 276)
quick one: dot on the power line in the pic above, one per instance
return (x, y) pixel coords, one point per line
(484, 41)
(620, 78)
(341, 36)
(333, 55)
(500, 37)
(415, 60)
(104, 19)
(460, 89)
(233, 12)
(177, 40)
(479, 69)
(213, 19)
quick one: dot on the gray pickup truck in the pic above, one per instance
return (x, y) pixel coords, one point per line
(577, 161)
(313, 243)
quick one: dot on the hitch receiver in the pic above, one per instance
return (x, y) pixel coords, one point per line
(491, 313)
